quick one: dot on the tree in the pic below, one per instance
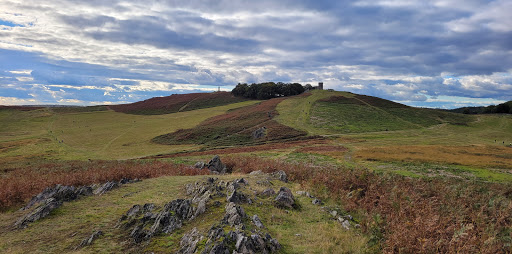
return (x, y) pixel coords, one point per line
(240, 89)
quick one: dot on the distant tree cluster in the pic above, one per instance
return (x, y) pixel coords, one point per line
(268, 90)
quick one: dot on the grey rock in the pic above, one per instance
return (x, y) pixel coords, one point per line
(259, 133)
(257, 222)
(280, 175)
(88, 241)
(316, 201)
(234, 215)
(201, 208)
(40, 212)
(238, 197)
(285, 198)
(189, 241)
(200, 165)
(334, 213)
(105, 187)
(58, 192)
(216, 165)
(84, 191)
(346, 224)
(257, 172)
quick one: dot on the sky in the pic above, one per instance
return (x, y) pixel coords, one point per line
(439, 53)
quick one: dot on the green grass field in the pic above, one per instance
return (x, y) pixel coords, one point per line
(44, 134)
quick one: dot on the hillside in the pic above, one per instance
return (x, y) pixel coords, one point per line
(177, 103)
(400, 178)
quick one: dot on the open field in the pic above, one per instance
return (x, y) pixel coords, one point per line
(417, 180)
(44, 134)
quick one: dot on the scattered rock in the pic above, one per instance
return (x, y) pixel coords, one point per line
(40, 212)
(257, 222)
(280, 175)
(285, 198)
(88, 241)
(334, 213)
(346, 224)
(316, 202)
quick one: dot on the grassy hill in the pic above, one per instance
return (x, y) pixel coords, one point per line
(327, 112)
(178, 103)
(416, 180)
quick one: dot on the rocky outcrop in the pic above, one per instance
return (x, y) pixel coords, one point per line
(40, 212)
(144, 223)
(285, 198)
(236, 240)
(52, 198)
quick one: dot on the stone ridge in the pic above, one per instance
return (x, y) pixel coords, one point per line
(229, 235)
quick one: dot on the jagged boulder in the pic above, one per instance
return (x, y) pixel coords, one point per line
(189, 242)
(235, 214)
(58, 192)
(238, 197)
(216, 165)
(42, 211)
(285, 198)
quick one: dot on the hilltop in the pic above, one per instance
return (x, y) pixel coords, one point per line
(399, 177)
(177, 103)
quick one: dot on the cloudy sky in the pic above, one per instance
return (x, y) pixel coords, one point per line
(439, 53)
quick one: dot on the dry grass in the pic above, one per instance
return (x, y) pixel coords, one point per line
(19, 184)
(410, 215)
(473, 155)
(248, 149)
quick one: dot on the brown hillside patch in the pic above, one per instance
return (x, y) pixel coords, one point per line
(235, 127)
(177, 102)
(480, 156)
(246, 149)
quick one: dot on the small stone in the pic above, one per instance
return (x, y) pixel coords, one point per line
(316, 201)
(334, 213)
(256, 220)
(346, 225)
